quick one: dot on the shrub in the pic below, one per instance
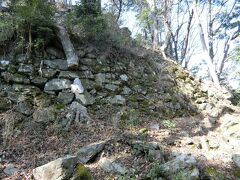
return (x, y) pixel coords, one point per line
(33, 17)
(7, 28)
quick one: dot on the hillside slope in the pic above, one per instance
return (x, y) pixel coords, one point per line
(119, 95)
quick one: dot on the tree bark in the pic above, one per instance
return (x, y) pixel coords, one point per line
(71, 55)
(155, 29)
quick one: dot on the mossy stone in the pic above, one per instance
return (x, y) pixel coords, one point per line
(236, 173)
(213, 174)
(81, 173)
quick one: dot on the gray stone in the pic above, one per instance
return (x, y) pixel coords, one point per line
(87, 74)
(49, 73)
(87, 61)
(25, 108)
(60, 169)
(236, 159)
(84, 68)
(126, 91)
(86, 153)
(25, 88)
(77, 87)
(139, 89)
(154, 155)
(87, 84)
(154, 126)
(5, 104)
(91, 56)
(81, 112)
(178, 164)
(100, 78)
(142, 146)
(124, 77)
(16, 97)
(118, 99)
(17, 78)
(116, 82)
(21, 58)
(57, 64)
(187, 174)
(110, 166)
(55, 52)
(81, 53)
(68, 74)
(85, 98)
(44, 115)
(65, 97)
(39, 81)
(25, 68)
(111, 87)
(57, 84)
(10, 169)
(4, 64)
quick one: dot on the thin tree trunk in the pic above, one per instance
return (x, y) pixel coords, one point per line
(211, 68)
(155, 28)
(210, 30)
(72, 58)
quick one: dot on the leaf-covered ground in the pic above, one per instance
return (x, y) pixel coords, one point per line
(30, 148)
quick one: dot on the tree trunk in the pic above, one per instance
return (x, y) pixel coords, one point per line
(72, 58)
(211, 68)
(155, 29)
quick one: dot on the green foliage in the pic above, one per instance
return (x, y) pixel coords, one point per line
(6, 27)
(96, 26)
(87, 21)
(81, 172)
(33, 12)
(154, 171)
(33, 20)
(168, 124)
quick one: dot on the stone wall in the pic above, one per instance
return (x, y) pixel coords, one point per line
(106, 82)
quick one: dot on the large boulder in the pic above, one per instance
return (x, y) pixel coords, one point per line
(80, 111)
(180, 163)
(86, 153)
(60, 169)
(86, 98)
(57, 84)
(111, 166)
(181, 167)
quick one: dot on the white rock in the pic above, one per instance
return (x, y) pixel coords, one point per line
(77, 87)
(124, 77)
